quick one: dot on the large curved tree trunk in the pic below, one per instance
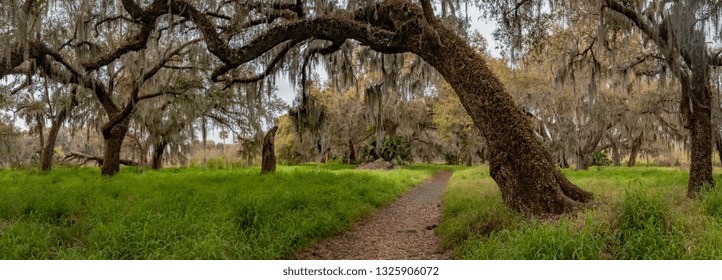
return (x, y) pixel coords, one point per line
(523, 170)
(268, 154)
(113, 142)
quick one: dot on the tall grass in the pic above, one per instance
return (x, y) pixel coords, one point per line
(193, 213)
(640, 213)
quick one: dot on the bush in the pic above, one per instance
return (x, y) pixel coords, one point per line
(451, 158)
(600, 158)
(394, 150)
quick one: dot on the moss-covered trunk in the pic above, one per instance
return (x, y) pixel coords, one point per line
(700, 130)
(268, 154)
(523, 170)
(113, 142)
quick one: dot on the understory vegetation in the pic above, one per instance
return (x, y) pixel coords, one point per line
(640, 213)
(188, 213)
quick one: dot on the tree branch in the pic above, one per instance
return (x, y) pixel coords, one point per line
(270, 68)
(428, 12)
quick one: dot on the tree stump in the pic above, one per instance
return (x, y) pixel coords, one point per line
(268, 164)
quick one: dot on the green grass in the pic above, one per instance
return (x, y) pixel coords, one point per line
(193, 213)
(640, 213)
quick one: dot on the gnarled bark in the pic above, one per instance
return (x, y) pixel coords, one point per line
(700, 129)
(523, 170)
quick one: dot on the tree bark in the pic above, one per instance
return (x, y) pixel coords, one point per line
(113, 137)
(46, 157)
(268, 161)
(523, 170)
(158, 151)
(700, 128)
(636, 144)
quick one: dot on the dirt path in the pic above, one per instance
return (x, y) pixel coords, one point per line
(403, 230)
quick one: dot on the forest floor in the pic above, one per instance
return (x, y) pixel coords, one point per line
(403, 230)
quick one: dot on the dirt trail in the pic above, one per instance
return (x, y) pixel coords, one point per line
(403, 230)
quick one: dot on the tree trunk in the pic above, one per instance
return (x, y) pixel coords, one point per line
(584, 154)
(616, 155)
(46, 157)
(113, 142)
(584, 160)
(636, 144)
(563, 162)
(351, 152)
(718, 143)
(700, 128)
(319, 155)
(158, 150)
(268, 161)
(41, 132)
(523, 170)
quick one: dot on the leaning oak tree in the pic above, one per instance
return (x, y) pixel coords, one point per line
(523, 170)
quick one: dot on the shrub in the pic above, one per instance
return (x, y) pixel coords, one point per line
(394, 150)
(600, 158)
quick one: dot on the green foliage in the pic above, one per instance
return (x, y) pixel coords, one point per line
(451, 158)
(645, 229)
(189, 213)
(712, 202)
(393, 150)
(472, 207)
(640, 213)
(540, 241)
(218, 163)
(600, 158)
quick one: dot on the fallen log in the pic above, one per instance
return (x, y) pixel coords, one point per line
(76, 156)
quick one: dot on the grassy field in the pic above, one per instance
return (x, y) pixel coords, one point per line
(641, 213)
(188, 213)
